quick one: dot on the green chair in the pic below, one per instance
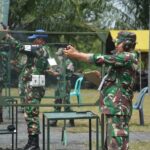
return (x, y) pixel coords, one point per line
(139, 104)
(76, 91)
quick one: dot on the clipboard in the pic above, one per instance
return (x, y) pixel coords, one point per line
(93, 76)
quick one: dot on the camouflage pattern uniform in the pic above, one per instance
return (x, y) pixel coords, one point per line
(21, 87)
(18, 67)
(65, 70)
(33, 65)
(3, 75)
(68, 73)
(116, 95)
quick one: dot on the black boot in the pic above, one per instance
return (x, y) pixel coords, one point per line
(28, 143)
(33, 143)
(53, 123)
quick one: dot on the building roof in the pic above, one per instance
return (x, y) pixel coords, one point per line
(143, 41)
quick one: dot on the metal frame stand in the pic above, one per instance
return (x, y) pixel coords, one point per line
(14, 121)
(47, 116)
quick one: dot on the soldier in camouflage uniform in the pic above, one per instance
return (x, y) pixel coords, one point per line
(3, 74)
(17, 65)
(3, 66)
(34, 58)
(117, 89)
(63, 75)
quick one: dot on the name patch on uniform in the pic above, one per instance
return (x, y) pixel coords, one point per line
(27, 48)
(38, 80)
(52, 62)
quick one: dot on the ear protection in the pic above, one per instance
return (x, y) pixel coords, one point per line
(128, 44)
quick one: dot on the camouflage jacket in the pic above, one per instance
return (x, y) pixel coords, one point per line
(117, 90)
(65, 70)
(30, 64)
(4, 67)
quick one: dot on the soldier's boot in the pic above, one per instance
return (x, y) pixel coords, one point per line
(53, 123)
(33, 143)
(71, 123)
(1, 115)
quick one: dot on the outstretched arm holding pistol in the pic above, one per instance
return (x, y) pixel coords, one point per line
(73, 53)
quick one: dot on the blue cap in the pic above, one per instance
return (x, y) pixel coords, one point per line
(34, 36)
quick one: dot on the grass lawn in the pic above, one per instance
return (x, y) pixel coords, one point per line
(140, 145)
(91, 96)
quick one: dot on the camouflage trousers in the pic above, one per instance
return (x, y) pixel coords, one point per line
(117, 132)
(21, 87)
(33, 96)
(65, 100)
(32, 117)
(62, 101)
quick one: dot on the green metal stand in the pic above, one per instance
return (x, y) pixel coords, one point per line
(64, 134)
(47, 116)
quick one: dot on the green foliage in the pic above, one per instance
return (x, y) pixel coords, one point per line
(87, 43)
(140, 145)
(78, 16)
(126, 14)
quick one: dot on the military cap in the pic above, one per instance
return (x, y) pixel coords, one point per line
(124, 36)
(34, 36)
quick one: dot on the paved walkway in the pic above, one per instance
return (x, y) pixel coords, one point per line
(76, 141)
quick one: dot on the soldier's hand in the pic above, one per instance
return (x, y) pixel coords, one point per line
(69, 51)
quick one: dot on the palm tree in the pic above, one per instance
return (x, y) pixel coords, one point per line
(125, 14)
(77, 15)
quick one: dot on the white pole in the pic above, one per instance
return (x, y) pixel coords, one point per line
(140, 70)
(149, 56)
(5, 11)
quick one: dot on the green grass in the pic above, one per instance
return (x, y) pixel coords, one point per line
(91, 96)
(134, 123)
(140, 145)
